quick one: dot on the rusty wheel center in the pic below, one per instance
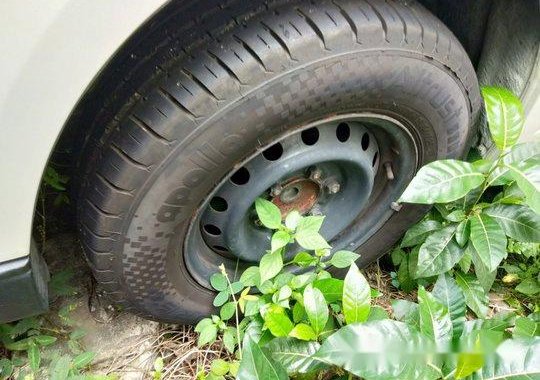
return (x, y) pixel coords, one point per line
(299, 194)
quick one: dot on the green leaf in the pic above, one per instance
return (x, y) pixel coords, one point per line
(377, 313)
(515, 359)
(279, 240)
(406, 311)
(83, 360)
(523, 152)
(529, 286)
(489, 240)
(310, 223)
(375, 351)
(227, 311)
(505, 116)
(219, 367)
(463, 231)
(304, 259)
(526, 328)
(316, 308)
(60, 368)
(218, 282)
(268, 213)
(419, 232)
(34, 357)
(475, 297)
(44, 340)
(229, 339)
(202, 324)
(518, 222)
(281, 297)
(6, 368)
(207, 335)
(303, 332)
(271, 264)
(527, 177)
(343, 259)
(450, 295)
(302, 280)
(439, 253)
(294, 355)
(277, 320)
(331, 288)
(407, 271)
(298, 312)
(456, 216)
(292, 220)
(434, 318)
(442, 181)
(468, 363)
(221, 298)
(486, 278)
(258, 364)
(356, 296)
(465, 262)
(311, 240)
(251, 277)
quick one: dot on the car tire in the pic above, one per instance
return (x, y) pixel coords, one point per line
(386, 69)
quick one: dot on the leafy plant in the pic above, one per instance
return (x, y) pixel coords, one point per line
(471, 224)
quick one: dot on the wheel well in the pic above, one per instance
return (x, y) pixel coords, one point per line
(144, 55)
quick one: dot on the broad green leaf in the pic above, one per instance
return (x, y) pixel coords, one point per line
(303, 332)
(377, 313)
(407, 271)
(515, 359)
(316, 308)
(463, 230)
(518, 222)
(258, 364)
(60, 368)
(450, 295)
(292, 219)
(505, 116)
(219, 367)
(439, 253)
(468, 363)
(489, 240)
(331, 288)
(456, 216)
(526, 328)
(294, 355)
(527, 176)
(34, 357)
(485, 277)
(44, 340)
(298, 312)
(218, 282)
(268, 213)
(442, 181)
(271, 264)
(343, 259)
(277, 321)
(207, 335)
(302, 280)
(466, 260)
(304, 259)
(523, 152)
(279, 240)
(378, 350)
(6, 368)
(227, 311)
(251, 276)
(475, 297)
(500, 322)
(311, 240)
(229, 339)
(434, 318)
(406, 311)
(356, 296)
(529, 286)
(310, 223)
(83, 360)
(221, 298)
(281, 297)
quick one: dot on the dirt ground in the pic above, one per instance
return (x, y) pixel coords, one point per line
(127, 345)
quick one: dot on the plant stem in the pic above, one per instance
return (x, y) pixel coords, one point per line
(235, 313)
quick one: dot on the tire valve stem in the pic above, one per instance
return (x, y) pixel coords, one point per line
(396, 206)
(389, 171)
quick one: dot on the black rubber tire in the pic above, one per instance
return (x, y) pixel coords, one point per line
(277, 68)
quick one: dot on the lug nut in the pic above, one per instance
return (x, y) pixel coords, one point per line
(333, 187)
(315, 174)
(316, 210)
(389, 171)
(276, 190)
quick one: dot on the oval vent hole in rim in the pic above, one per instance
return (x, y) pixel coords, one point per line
(212, 230)
(375, 159)
(310, 136)
(343, 132)
(220, 248)
(241, 177)
(365, 141)
(219, 204)
(274, 152)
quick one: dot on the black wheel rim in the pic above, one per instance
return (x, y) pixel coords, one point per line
(350, 168)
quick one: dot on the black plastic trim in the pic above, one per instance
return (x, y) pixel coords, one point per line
(23, 287)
